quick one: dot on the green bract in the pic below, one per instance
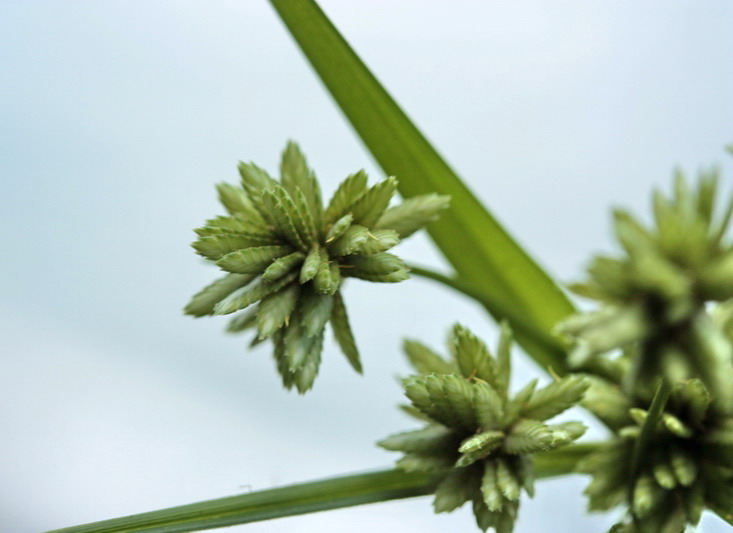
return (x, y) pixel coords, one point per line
(479, 438)
(653, 297)
(687, 466)
(289, 255)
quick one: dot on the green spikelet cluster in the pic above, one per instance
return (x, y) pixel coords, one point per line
(686, 467)
(286, 256)
(667, 396)
(477, 437)
(653, 298)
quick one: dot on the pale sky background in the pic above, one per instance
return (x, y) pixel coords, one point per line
(116, 121)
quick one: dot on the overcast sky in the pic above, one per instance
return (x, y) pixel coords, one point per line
(116, 121)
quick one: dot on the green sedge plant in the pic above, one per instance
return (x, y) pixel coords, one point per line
(653, 361)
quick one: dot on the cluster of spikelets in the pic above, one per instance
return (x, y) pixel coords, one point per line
(478, 439)
(657, 291)
(684, 465)
(285, 252)
(668, 396)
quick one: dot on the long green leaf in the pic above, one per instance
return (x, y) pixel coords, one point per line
(274, 503)
(334, 493)
(479, 248)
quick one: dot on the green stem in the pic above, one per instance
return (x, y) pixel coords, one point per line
(292, 500)
(562, 460)
(334, 493)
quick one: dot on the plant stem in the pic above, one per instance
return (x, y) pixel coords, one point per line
(334, 493)
(292, 500)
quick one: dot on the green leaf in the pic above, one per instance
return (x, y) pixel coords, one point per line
(413, 214)
(496, 262)
(347, 193)
(203, 302)
(309, 497)
(314, 496)
(342, 332)
(504, 359)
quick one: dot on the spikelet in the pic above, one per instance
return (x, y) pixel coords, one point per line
(479, 438)
(287, 256)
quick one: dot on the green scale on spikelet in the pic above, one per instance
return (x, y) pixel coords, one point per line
(478, 439)
(286, 257)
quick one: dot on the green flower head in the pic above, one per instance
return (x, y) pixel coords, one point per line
(478, 439)
(685, 467)
(657, 290)
(286, 257)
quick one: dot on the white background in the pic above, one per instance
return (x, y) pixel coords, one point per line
(116, 120)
